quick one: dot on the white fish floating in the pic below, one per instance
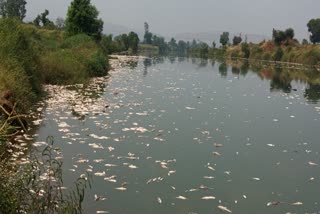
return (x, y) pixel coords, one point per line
(171, 172)
(298, 203)
(102, 212)
(110, 165)
(257, 179)
(95, 146)
(208, 198)
(98, 198)
(99, 137)
(159, 200)
(189, 108)
(273, 203)
(312, 163)
(121, 188)
(181, 197)
(132, 166)
(100, 174)
(271, 145)
(208, 177)
(110, 148)
(211, 168)
(216, 153)
(225, 209)
(192, 190)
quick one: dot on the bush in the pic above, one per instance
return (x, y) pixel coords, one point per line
(14, 78)
(246, 50)
(62, 67)
(98, 64)
(78, 41)
(312, 57)
(15, 45)
(278, 54)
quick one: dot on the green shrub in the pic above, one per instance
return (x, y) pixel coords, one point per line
(14, 78)
(278, 54)
(266, 56)
(62, 67)
(15, 45)
(79, 41)
(97, 64)
(312, 56)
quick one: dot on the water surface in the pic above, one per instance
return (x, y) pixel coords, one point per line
(167, 128)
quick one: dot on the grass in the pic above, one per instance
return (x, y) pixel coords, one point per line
(35, 186)
(293, 53)
(31, 56)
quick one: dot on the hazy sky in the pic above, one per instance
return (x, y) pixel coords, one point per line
(169, 17)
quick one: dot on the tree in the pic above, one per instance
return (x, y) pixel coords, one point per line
(246, 50)
(224, 38)
(237, 40)
(172, 45)
(213, 44)
(280, 36)
(305, 42)
(133, 40)
(82, 17)
(42, 18)
(314, 28)
(147, 34)
(278, 54)
(181, 48)
(60, 23)
(204, 50)
(289, 33)
(13, 8)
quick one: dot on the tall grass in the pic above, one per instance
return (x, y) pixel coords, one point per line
(36, 185)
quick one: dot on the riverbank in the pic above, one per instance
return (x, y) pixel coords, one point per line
(81, 98)
(268, 51)
(23, 153)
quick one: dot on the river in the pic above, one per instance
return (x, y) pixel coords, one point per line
(190, 136)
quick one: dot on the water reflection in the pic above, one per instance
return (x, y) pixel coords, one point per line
(312, 93)
(223, 69)
(280, 77)
(147, 62)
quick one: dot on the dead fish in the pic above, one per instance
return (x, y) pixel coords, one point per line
(98, 198)
(171, 172)
(216, 153)
(208, 198)
(189, 108)
(192, 190)
(100, 174)
(217, 145)
(203, 187)
(312, 163)
(132, 166)
(159, 200)
(273, 203)
(121, 188)
(225, 209)
(257, 179)
(298, 203)
(181, 197)
(211, 168)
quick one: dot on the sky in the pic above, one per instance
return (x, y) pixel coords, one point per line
(171, 17)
